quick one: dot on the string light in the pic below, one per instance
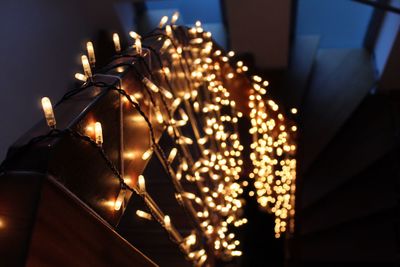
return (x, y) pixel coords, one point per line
(86, 66)
(172, 154)
(120, 200)
(143, 214)
(147, 154)
(198, 99)
(117, 44)
(134, 35)
(163, 21)
(141, 183)
(273, 157)
(98, 131)
(174, 17)
(90, 50)
(81, 77)
(167, 222)
(48, 112)
(138, 46)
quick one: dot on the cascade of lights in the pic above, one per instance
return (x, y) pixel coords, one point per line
(189, 90)
(273, 156)
(197, 99)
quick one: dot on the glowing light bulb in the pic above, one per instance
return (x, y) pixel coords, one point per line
(147, 154)
(98, 132)
(176, 103)
(120, 200)
(185, 140)
(141, 184)
(175, 17)
(86, 66)
(167, 94)
(191, 240)
(202, 140)
(184, 116)
(81, 77)
(202, 260)
(159, 116)
(294, 110)
(236, 253)
(150, 85)
(189, 195)
(117, 44)
(172, 154)
(90, 50)
(48, 112)
(163, 21)
(138, 46)
(167, 222)
(257, 78)
(134, 35)
(168, 30)
(144, 215)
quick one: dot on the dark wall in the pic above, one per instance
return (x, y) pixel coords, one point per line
(40, 52)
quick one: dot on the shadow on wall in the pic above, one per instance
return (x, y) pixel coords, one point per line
(40, 51)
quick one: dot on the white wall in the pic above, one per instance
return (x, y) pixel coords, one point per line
(41, 43)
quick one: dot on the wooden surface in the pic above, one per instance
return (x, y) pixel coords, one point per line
(45, 225)
(19, 197)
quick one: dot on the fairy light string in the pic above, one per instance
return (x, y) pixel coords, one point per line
(188, 91)
(273, 156)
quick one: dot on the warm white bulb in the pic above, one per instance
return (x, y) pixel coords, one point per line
(202, 140)
(167, 94)
(163, 21)
(143, 214)
(175, 17)
(172, 154)
(120, 200)
(86, 66)
(149, 84)
(167, 222)
(90, 50)
(98, 131)
(184, 116)
(146, 155)
(168, 30)
(117, 43)
(81, 77)
(48, 112)
(134, 35)
(141, 184)
(138, 46)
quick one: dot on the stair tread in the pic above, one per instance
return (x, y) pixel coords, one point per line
(366, 137)
(372, 240)
(373, 196)
(341, 79)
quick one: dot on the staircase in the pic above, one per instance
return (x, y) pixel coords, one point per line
(348, 184)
